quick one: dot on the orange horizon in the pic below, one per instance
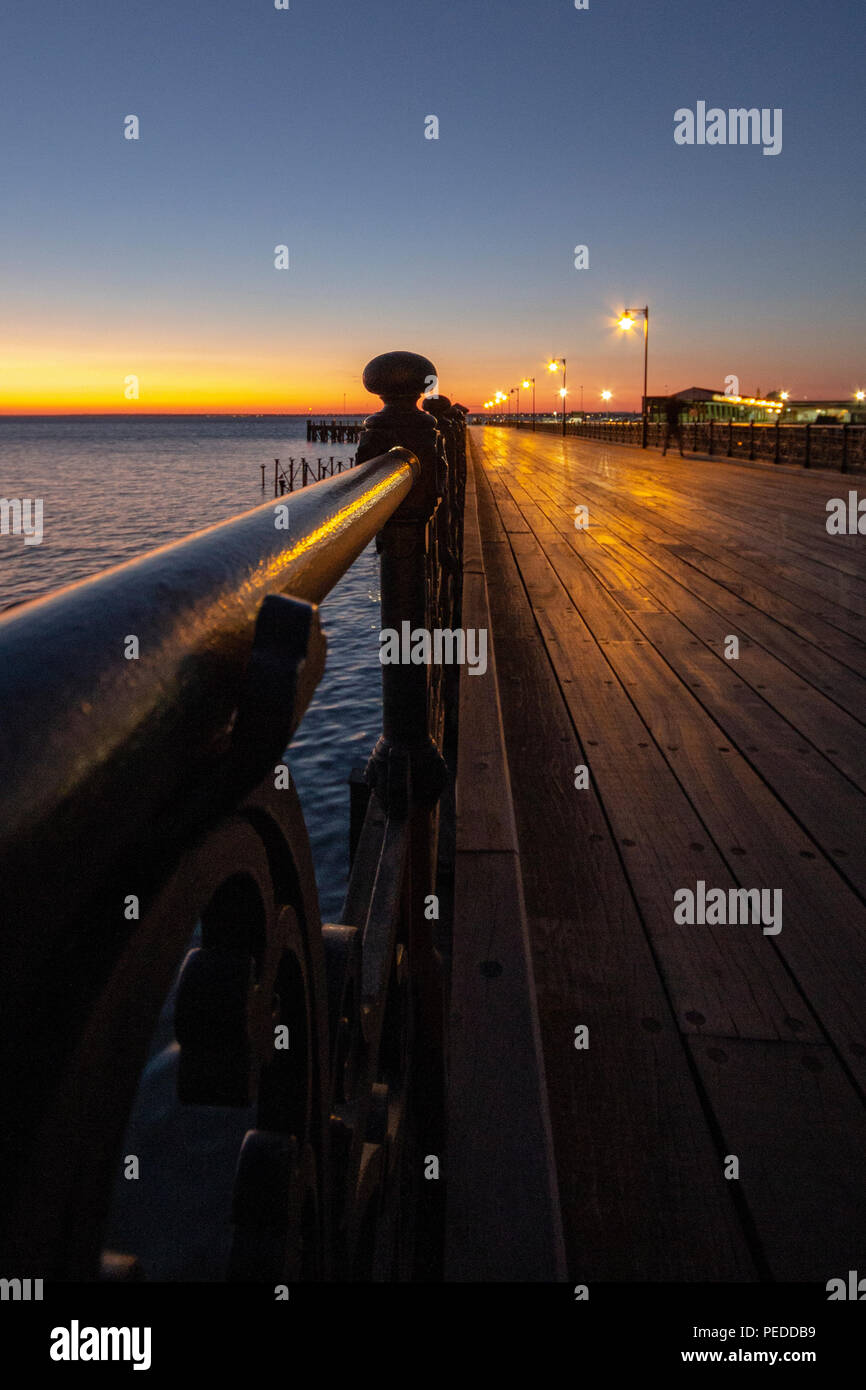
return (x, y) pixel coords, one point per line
(90, 380)
(368, 409)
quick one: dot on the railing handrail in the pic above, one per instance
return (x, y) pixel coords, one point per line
(84, 728)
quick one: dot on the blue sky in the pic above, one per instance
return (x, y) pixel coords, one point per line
(306, 127)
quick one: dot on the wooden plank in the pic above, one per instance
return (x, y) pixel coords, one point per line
(500, 1146)
(832, 629)
(485, 819)
(678, 583)
(733, 984)
(502, 1202)
(830, 808)
(824, 933)
(803, 1180)
(634, 1156)
(702, 524)
(836, 964)
(800, 1140)
(831, 730)
(473, 562)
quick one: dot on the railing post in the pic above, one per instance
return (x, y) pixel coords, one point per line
(751, 439)
(807, 459)
(778, 442)
(408, 604)
(400, 378)
(843, 462)
(730, 438)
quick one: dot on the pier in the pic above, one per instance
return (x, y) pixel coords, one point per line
(534, 1047)
(333, 432)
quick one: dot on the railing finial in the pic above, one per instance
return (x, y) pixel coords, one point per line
(399, 377)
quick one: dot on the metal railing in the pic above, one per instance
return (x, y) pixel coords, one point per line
(841, 447)
(145, 805)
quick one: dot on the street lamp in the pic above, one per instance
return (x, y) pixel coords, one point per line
(516, 389)
(860, 395)
(606, 396)
(553, 366)
(626, 323)
(530, 381)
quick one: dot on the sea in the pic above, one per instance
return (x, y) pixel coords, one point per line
(112, 488)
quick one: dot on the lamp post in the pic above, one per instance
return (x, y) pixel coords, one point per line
(516, 389)
(531, 381)
(626, 323)
(553, 366)
(606, 396)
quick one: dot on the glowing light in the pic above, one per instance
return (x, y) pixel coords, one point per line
(562, 392)
(785, 395)
(553, 366)
(606, 395)
(525, 385)
(860, 395)
(626, 321)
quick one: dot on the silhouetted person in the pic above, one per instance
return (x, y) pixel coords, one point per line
(673, 406)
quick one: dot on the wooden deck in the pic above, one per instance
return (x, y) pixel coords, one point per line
(705, 1041)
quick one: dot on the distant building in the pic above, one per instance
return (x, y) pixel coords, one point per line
(701, 403)
(848, 412)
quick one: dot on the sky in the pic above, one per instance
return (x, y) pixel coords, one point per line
(305, 127)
